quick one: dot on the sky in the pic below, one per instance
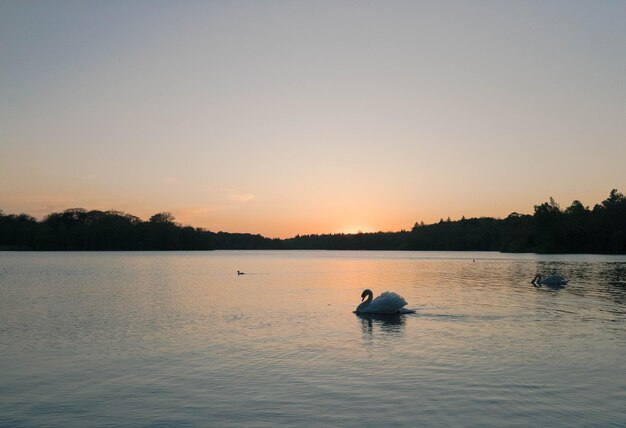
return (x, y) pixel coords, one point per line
(298, 117)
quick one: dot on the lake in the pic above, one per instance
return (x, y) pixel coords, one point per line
(179, 339)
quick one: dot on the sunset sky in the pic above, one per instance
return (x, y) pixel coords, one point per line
(280, 117)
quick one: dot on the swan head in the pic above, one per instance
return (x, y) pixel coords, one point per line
(365, 293)
(535, 279)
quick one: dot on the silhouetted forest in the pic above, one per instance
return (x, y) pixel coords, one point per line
(550, 229)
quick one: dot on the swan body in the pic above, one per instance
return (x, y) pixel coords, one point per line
(387, 303)
(549, 280)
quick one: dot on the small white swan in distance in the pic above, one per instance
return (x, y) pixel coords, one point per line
(387, 303)
(549, 280)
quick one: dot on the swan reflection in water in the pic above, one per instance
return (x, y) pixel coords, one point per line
(388, 323)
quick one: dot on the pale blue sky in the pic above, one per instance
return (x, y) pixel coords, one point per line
(302, 117)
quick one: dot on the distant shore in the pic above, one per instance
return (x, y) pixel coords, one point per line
(26, 250)
(549, 230)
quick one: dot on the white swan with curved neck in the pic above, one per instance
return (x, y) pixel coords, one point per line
(387, 303)
(549, 280)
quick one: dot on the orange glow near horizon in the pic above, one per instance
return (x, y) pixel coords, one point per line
(351, 230)
(254, 215)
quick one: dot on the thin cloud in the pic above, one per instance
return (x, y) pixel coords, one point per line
(240, 197)
(45, 204)
(197, 215)
(200, 211)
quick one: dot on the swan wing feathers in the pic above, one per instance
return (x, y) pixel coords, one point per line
(387, 303)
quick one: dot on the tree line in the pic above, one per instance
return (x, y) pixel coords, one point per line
(550, 229)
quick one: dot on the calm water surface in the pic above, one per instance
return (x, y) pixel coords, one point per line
(178, 339)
